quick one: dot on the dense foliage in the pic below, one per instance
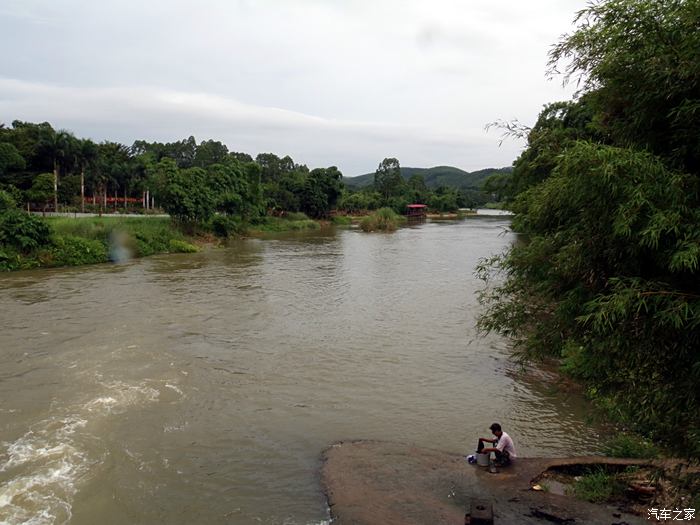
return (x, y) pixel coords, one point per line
(48, 169)
(45, 169)
(608, 195)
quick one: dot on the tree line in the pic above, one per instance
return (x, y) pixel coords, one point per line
(608, 193)
(192, 181)
(44, 168)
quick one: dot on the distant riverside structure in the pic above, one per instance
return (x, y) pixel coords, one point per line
(416, 211)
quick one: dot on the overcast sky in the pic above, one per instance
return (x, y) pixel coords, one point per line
(329, 82)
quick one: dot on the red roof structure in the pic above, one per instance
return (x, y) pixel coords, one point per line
(416, 211)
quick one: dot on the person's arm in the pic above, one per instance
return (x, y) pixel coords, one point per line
(488, 450)
(488, 440)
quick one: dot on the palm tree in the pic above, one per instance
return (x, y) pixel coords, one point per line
(86, 153)
(59, 145)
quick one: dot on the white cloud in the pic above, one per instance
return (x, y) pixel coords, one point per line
(170, 115)
(327, 81)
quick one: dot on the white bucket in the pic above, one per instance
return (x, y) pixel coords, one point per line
(482, 460)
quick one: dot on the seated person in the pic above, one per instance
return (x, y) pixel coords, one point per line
(504, 449)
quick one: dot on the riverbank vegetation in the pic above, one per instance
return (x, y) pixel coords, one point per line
(288, 222)
(28, 241)
(384, 219)
(608, 195)
(204, 188)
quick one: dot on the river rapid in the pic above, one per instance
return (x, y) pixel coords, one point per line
(202, 388)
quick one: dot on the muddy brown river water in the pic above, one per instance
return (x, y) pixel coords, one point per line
(201, 388)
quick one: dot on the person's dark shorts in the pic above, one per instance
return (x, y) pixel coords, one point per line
(502, 459)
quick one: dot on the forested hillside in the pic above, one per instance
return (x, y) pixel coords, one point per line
(447, 176)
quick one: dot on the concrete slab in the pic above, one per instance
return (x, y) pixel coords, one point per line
(370, 482)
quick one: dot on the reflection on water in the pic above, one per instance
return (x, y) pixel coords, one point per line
(201, 388)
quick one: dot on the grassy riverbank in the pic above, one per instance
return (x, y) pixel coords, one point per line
(73, 242)
(34, 242)
(288, 222)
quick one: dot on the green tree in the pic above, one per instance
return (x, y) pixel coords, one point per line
(270, 165)
(111, 170)
(498, 185)
(559, 125)
(321, 192)
(608, 193)
(229, 185)
(59, 146)
(359, 201)
(210, 152)
(186, 194)
(7, 201)
(241, 157)
(27, 138)
(387, 178)
(638, 62)
(10, 159)
(42, 189)
(86, 155)
(443, 200)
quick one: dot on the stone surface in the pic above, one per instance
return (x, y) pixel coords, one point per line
(370, 482)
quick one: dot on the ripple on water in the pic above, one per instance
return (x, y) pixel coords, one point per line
(41, 470)
(241, 364)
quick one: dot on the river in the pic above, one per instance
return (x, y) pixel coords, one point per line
(202, 388)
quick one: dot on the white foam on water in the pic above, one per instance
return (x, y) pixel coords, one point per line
(173, 387)
(101, 403)
(121, 397)
(41, 470)
(42, 466)
(175, 428)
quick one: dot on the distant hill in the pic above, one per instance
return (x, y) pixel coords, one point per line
(434, 177)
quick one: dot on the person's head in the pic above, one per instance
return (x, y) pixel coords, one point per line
(496, 429)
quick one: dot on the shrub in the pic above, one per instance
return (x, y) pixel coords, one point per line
(296, 216)
(9, 260)
(178, 246)
(384, 219)
(226, 225)
(7, 202)
(73, 251)
(23, 232)
(630, 446)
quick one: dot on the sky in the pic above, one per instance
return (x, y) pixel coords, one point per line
(328, 82)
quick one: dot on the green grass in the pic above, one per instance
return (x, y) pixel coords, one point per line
(597, 486)
(630, 446)
(384, 219)
(100, 228)
(284, 224)
(178, 246)
(87, 240)
(342, 220)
